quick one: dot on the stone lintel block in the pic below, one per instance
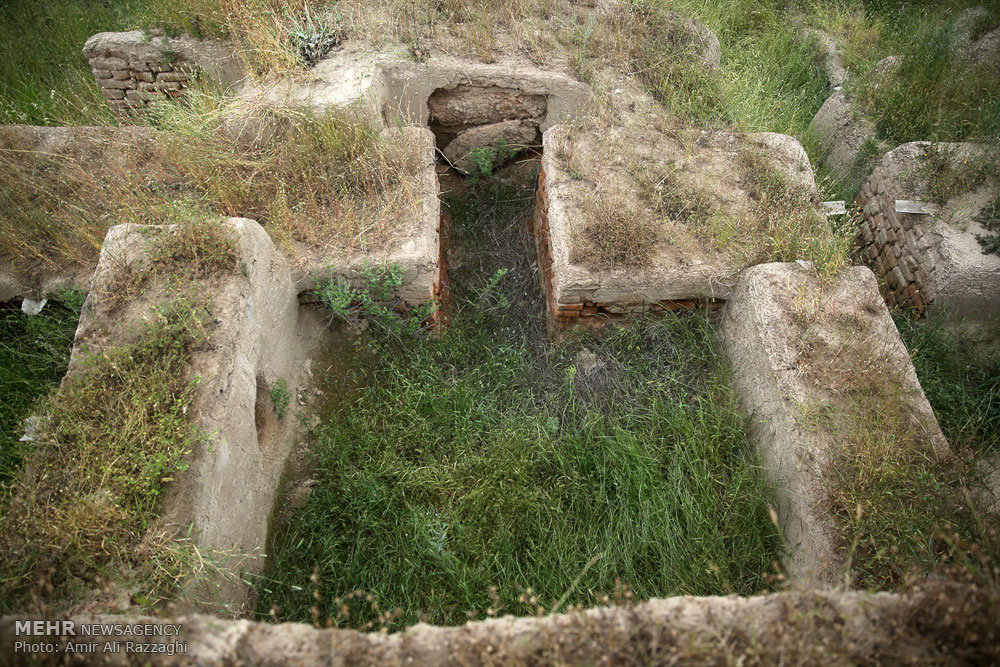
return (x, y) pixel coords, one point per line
(173, 76)
(121, 84)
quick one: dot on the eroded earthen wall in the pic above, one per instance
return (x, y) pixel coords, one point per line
(937, 624)
(568, 312)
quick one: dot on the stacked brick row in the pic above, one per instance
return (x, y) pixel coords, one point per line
(130, 83)
(543, 240)
(896, 246)
(572, 312)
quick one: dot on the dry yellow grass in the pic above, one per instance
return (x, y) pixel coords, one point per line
(319, 179)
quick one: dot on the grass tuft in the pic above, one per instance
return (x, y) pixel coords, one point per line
(34, 355)
(784, 222)
(616, 234)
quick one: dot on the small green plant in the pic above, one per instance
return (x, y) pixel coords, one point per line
(375, 301)
(313, 37)
(281, 397)
(484, 160)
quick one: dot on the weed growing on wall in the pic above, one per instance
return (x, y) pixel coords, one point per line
(617, 234)
(784, 223)
(197, 247)
(281, 397)
(374, 300)
(949, 173)
(989, 217)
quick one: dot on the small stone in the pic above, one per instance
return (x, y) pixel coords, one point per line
(172, 76)
(108, 63)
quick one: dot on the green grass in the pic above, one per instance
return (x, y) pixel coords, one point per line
(769, 78)
(34, 354)
(464, 470)
(904, 513)
(933, 95)
(112, 435)
(965, 395)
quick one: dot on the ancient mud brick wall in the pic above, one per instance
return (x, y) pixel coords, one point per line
(895, 245)
(130, 83)
(135, 68)
(571, 312)
(133, 78)
(441, 287)
(543, 245)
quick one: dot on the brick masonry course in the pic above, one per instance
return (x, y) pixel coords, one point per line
(931, 259)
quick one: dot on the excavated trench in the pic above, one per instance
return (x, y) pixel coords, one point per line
(437, 468)
(486, 469)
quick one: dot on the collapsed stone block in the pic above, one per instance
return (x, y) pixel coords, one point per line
(508, 135)
(933, 260)
(800, 348)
